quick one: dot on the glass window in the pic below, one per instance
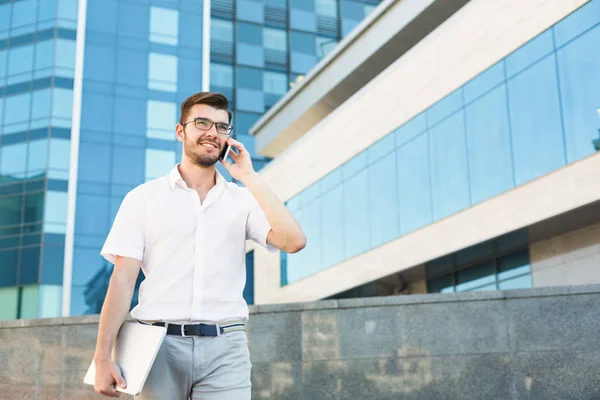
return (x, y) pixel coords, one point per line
(381, 148)
(221, 30)
(243, 121)
(5, 16)
(295, 262)
(40, 108)
(164, 25)
(250, 54)
(275, 82)
(161, 119)
(353, 12)
(65, 58)
(91, 217)
(249, 33)
(29, 265)
(46, 11)
(250, 100)
(86, 263)
(481, 277)
(579, 77)
(9, 259)
(20, 64)
(33, 209)
(67, 9)
(275, 39)
(23, 18)
(99, 62)
(128, 165)
(444, 107)
(449, 181)
(162, 72)
(413, 183)
(9, 298)
(331, 180)
(303, 63)
(443, 284)
(131, 68)
(251, 78)
(356, 213)
(44, 58)
(50, 301)
(303, 42)
(355, 165)
(97, 112)
(62, 106)
(55, 212)
(303, 20)
(158, 163)
(250, 10)
(221, 75)
(484, 82)
(105, 18)
(383, 200)
(411, 129)
(529, 53)
(10, 212)
(13, 160)
(52, 264)
(37, 158)
(490, 160)
(60, 153)
(130, 115)
(94, 165)
(577, 23)
(3, 60)
(30, 302)
(332, 223)
(311, 224)
(536, 121)
(327, 8)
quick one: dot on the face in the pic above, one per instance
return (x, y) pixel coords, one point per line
(202, 148)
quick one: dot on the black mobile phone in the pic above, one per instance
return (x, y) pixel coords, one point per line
(225, 152)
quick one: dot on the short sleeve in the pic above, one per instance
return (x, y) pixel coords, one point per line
(127, 234)
(257, 225)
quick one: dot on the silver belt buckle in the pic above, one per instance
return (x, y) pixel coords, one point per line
(183, 331)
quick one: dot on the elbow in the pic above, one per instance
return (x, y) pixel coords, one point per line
(296, 245)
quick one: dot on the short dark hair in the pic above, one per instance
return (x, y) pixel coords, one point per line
(213, 99)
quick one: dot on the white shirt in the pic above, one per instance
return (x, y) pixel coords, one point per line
(193, 255)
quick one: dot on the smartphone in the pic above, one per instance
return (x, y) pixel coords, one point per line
(225, 152)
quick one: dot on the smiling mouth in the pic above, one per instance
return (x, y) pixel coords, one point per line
(209, 145)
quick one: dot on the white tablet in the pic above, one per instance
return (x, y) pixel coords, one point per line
(135, 349)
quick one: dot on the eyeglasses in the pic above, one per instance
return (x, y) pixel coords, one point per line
(205, 124)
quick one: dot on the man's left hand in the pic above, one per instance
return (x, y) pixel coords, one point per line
(242, 166)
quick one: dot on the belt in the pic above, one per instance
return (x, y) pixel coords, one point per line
(202, 329)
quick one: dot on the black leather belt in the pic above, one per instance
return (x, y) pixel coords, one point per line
(202, 329)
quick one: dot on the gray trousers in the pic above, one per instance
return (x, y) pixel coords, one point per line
(216, 368)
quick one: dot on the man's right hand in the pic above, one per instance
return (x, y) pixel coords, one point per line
(107, 374)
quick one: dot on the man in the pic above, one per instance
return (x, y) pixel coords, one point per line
(188, 232)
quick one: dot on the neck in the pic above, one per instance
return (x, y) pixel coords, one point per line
(197, 177)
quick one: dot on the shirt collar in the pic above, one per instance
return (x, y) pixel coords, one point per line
(175, 179)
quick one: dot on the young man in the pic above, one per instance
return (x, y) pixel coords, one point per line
(188, 232)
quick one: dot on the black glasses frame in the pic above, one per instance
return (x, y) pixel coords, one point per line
(195, 121)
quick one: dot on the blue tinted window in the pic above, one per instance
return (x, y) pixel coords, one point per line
(444, 107)
(295, 262)
(383, 200)
(484, 82)
(332, 215)
(133, 21)
(490, 160)
(221, 75)
(579, 76)
(23, 16)
(303, 20)
(94, 165)
(221, 30)
(250, 54)
(413, 183)
(250, 10)
(248, 142)
(306, 5)
(60, 151)
(162, 72)
(5, 16)
(535, 121)
(91, 217)
(67, 9)
(131, 68)
(243, 121)
(311, 224)
(275, 39)
(354, 165)
(250, 100)
(13, 159)
(411, 129)
(97, 112)
(164, 25)
(33, 210)
(130, 115)
(251, 78)
(41, 105)
(303, 42)
(161, 119)
(9, 259)
(380, 148)
(529, 53)
(52, 264)
(86, 264)
(99, 62)
(20, 63)
(128, 165)
(158, 163)
(62, 103)
(450, 187)
(577, 23)
(356, 214)
(101, 17)
(327, 7)
(37, 157)
(29, 265)
(275, 82)
(65, 58)
(46, 10)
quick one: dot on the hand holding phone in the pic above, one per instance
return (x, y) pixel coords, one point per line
(225, 152)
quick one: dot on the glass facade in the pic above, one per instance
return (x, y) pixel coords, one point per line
(260, 48)
(141, 59)
(37, 58)
(532, 113)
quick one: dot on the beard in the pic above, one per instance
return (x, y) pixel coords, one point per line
(194, 151)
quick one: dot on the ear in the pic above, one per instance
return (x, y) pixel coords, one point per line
(179, 133)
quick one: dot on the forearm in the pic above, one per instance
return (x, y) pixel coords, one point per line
(114, 311)
(286, 230)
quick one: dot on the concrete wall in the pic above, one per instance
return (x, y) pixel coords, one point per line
(514, 345)
(477, 36)
(569, 259)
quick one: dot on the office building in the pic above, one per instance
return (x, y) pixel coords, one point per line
(443, 146)
(90, 97)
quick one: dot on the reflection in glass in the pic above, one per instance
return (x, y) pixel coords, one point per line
(13, 160)
(161, 119)
(162, 72)
(164, 25)
(158, 163)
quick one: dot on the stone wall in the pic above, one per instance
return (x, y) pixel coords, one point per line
(569, 259)
(506, 345)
